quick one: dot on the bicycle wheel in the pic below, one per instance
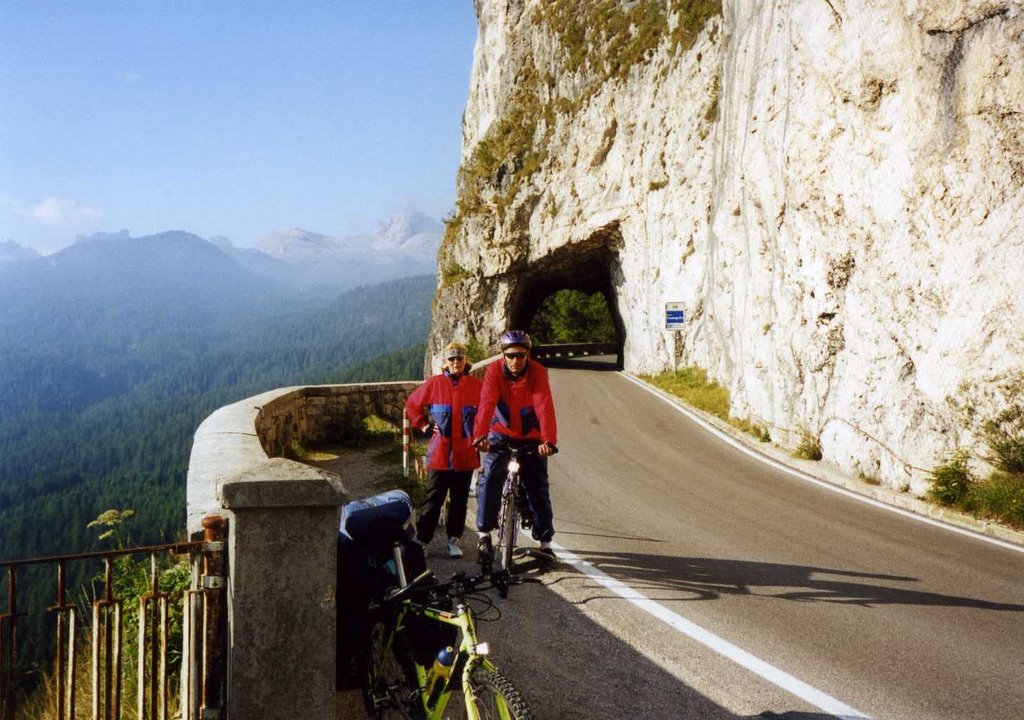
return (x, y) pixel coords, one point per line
(496, 699)
(507, 531)
(390, 690)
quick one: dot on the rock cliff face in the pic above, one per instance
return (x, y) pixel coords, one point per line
(833, 188)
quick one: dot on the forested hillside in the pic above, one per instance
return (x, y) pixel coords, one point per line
(61, 464)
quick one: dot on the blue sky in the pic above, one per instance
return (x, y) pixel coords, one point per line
(227, 118)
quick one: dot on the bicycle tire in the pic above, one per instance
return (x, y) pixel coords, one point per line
(496, 699)
(507, 540)
(389, 692)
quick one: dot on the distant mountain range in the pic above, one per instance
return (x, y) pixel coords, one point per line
(403, 245)
(94, 319)
(301, 260)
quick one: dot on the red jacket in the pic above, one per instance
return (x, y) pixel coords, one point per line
(451, 404)
(519, 408)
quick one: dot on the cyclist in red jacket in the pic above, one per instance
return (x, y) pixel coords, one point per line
(515, 404)
(451, 400)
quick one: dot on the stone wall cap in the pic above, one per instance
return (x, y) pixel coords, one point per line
(278, 482)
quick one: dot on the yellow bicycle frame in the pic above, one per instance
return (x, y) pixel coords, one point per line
(471, 654)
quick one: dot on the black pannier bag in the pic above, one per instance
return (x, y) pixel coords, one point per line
(369, 530)
(366, 570)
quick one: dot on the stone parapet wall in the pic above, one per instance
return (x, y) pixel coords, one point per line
(321, 414)
(282, 518)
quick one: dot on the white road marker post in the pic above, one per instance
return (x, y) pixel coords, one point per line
(405, 444)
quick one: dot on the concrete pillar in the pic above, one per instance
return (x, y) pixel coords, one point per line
(282, 554)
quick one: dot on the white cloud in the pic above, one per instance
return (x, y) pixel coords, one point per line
(58, 211)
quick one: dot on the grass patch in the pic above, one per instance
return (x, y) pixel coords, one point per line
(809, 447)
(692, 385)
(998, 497)
(453, 273)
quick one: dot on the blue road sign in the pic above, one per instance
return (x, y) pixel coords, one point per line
(675, 316)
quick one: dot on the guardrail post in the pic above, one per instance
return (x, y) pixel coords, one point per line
(8, 642)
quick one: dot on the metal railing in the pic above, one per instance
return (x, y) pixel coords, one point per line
(569, 350)
(204, 634)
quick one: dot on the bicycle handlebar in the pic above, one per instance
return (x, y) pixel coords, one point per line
(459, 584)
(527, 447)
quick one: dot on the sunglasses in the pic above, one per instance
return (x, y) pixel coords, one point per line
(450, 358)
(515, 355)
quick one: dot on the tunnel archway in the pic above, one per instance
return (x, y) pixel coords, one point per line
(590, 266)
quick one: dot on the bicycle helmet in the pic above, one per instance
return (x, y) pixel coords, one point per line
(512, 338)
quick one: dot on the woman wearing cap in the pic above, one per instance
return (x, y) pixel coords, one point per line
(445, 405)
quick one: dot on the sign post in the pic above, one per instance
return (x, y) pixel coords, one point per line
(675, 316)
(675, 323)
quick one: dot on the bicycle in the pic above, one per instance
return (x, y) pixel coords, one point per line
(399, 685)
(515, 512)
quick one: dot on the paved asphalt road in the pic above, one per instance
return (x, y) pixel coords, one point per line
(877, 612)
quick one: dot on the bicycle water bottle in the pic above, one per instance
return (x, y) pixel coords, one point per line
(442, 669)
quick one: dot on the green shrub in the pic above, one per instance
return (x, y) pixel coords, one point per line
(475, 350)
(1000, 497)
(1005, 438)
(952, 481)
(809, 447)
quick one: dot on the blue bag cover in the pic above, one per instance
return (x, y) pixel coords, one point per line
(376, 523)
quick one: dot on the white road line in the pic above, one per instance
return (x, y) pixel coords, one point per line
(810, 478)
(723, 647)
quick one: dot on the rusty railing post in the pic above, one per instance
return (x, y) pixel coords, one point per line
(65, 662)
(152, 648)
(214, 588)
(8, 641)
(107, 642)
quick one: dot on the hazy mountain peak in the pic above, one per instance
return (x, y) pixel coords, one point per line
(295, 244)
(11, 251)
(104, 237)
(406, 224)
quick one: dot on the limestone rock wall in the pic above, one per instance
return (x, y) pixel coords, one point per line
(834, 188)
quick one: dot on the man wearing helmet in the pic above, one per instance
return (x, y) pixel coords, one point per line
(515, 405)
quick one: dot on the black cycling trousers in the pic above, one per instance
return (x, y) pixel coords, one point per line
(441, 483)
(533, 474)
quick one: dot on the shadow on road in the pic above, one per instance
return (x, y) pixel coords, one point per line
(570, 667)
(710, 578)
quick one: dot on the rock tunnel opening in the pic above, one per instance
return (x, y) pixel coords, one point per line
(588, 267)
